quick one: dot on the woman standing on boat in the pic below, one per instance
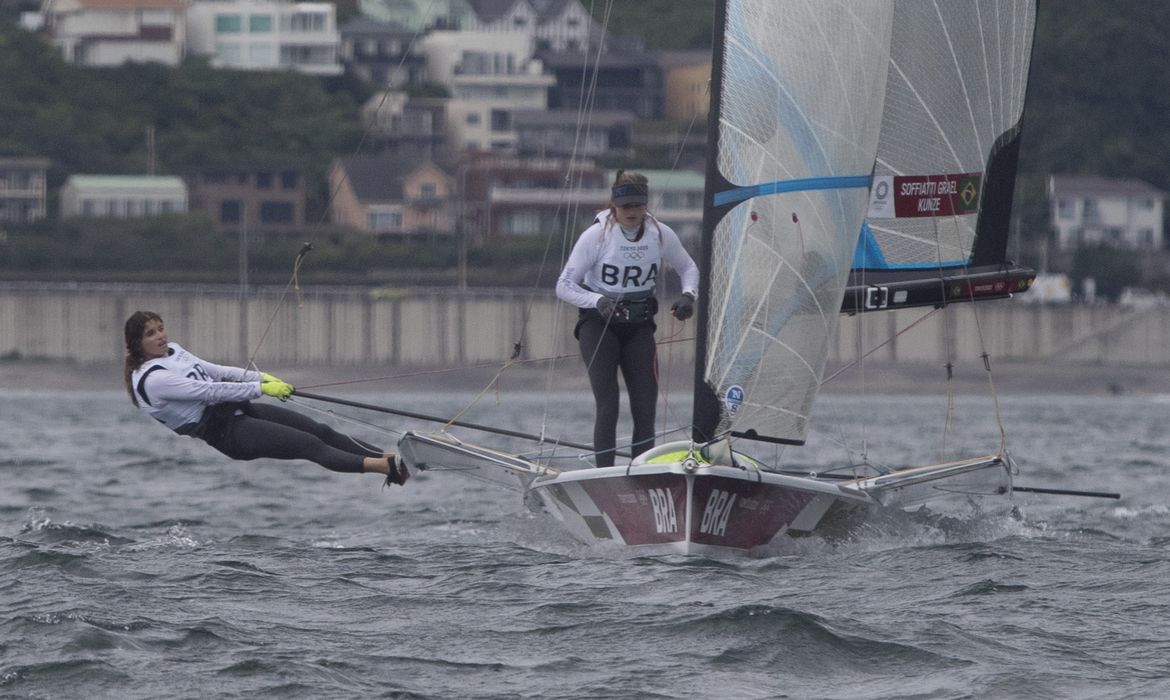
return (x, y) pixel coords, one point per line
(611, 276)
(213, 403)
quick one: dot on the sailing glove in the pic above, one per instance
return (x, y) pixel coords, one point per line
(277, 390)
(606, 307)
(684, 308)
(266, 377)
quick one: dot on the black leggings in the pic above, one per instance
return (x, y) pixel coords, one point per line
(605, 348)
(275, 432)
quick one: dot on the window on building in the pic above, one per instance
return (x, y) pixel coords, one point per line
(276, 212)
(305, 22)
(1145, 238)
(473, 63)
(1091, 211)
(168, 207)
(229, 211)
(229, 54)
(261, 54)
(381, 221)
(263, 181)
(260, 24)
(523, 223)
(473, 118)
(428, 190)
(88, 207)
(229, 24)
(1065, 209)
(501, 120)
(288, 180)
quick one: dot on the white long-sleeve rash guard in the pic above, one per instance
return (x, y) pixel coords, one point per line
(177, 388)
(604, 263)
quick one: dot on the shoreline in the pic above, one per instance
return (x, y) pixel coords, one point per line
(1011, 378)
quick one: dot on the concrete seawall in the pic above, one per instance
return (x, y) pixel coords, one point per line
(435, 327)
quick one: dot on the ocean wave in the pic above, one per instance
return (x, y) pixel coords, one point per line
(38, 527)
(987, 587)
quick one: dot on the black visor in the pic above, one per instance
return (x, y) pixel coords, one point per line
(630, 193)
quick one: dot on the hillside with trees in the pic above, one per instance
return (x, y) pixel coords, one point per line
(1097, 103)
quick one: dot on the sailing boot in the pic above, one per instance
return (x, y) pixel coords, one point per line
(398, 471)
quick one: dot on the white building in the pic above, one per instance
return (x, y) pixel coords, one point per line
(490, 75)
(1120, 213)
(557, 25)
(113, 32)
(266, 35)
(23, 189)
(122, 196)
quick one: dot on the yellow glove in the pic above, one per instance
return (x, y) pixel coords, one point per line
(277, 389)
(266, 377)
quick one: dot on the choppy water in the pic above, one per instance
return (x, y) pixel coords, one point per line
(136, 563)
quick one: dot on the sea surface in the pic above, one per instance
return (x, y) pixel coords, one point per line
(135, 563)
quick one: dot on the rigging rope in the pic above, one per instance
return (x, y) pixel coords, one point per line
(293, 283)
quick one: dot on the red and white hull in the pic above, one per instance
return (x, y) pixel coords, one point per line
(673, 500)
(668, 508)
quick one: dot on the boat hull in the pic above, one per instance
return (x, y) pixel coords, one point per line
(674, 508)
(686, 499)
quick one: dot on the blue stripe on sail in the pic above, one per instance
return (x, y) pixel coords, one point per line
(869, 256)
(808, 184)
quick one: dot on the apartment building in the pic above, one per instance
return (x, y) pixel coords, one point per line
(1123, 213)
(267, 35)
(22, 189)
(113, 32)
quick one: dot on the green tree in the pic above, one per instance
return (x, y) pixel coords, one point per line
(664, 24)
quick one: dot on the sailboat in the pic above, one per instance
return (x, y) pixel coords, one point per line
(861, 158)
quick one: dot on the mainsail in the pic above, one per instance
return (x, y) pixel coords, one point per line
(796, 113)
(945, 172)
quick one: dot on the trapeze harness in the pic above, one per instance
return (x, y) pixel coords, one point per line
(626, 270)
(201, 396)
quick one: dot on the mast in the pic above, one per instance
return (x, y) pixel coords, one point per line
(706, 405)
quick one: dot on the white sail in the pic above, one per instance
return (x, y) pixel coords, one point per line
(954, 99)
(800, 92)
